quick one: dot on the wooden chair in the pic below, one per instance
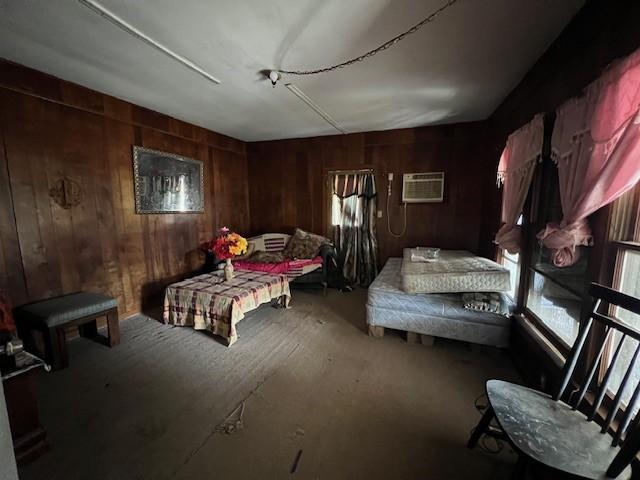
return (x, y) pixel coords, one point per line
(550, 432)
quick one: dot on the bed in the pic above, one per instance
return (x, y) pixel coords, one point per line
(435, 314)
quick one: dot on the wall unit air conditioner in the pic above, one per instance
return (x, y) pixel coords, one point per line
(423, 187)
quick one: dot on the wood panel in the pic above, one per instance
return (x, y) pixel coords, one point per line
(12, 280)
(50, 129)
(287, 183)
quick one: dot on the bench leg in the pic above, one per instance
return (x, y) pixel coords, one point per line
(25, 333)
(113, 327)
(89, 330)
(55, 345)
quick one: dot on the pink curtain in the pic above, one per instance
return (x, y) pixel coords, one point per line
(596, 144)
(515, 171)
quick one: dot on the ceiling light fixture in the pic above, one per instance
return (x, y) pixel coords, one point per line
(314, 106)
(274, 76)
(134, 32)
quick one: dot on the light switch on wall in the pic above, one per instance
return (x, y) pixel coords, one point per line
(379, 213)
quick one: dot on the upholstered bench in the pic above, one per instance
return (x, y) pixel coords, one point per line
(51, 317)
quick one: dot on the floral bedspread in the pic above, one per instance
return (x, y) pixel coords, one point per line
(208, 302)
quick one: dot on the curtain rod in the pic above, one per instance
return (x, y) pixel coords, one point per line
(342, 172)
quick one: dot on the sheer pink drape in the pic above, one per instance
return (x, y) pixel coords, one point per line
(596, 144)
(515, 171)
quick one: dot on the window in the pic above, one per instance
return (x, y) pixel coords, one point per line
(553, 295)
(625, 233)
(342, 208)
(629, 280)
(346, 192)
(511, 261)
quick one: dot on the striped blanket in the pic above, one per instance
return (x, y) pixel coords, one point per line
(207, 302)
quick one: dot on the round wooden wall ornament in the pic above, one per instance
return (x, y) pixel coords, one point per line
(66, 192)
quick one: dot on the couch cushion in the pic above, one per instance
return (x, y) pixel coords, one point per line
(61, 310)
(304, 245)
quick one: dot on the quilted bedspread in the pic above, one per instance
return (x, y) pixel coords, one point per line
(208, 302)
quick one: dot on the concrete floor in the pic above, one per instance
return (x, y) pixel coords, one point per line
(312, 381)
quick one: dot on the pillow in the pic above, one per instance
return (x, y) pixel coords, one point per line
(266, 257)
(304, 245)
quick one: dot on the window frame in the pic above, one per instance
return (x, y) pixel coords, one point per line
(604, 266)
(531, 212)
(501, 256)
(623, 224)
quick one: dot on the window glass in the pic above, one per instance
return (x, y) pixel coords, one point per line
(630, 284)
(511, 262)
(556, 307)
(554, 294)
(572, 277)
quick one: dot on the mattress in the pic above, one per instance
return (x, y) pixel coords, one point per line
(438, 315)
(455, 271)
(385, 292)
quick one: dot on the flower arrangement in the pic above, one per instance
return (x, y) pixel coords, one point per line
(226, 245)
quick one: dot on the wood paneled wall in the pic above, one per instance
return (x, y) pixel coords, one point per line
(287, 180)
(601, 32)
(50, 129)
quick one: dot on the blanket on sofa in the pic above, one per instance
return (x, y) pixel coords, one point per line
(290, 268)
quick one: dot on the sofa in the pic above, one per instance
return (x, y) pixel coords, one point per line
(300, 272)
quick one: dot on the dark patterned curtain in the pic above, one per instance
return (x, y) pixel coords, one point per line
(354, 207)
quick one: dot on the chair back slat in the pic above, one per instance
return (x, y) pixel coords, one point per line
(592, 370)
(605, 381)
(613, 297)
(570, 364)
(618, 325)
(628, 415)
(628, 432)
(613, 409)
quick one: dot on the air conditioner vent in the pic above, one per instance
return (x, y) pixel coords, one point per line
(423, 187)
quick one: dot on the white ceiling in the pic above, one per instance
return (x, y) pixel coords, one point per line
(458, 68)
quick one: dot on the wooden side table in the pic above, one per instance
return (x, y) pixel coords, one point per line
(28, 435)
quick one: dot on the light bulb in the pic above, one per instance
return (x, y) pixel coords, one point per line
(274, 76)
